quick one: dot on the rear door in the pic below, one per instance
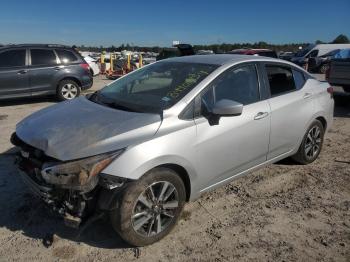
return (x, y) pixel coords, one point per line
(236, 143)
(42, 70)
(291, 107)
(14, 79)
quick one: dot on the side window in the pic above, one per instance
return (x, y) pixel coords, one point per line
(13, 58)
(299, 79)
(280, 79)
(237, 84)
(66, 56)
(43, 57)
(313, 53)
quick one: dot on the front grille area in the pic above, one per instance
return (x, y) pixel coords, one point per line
(67, 203)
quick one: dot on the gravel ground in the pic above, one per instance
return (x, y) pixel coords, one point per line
(284, 212)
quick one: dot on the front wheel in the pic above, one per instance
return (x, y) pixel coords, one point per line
(311, 145)
(67, 90)
(150, 207)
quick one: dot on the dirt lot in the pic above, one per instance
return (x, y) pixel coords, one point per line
(285, 212)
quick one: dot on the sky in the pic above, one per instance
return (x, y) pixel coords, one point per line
(158, 23)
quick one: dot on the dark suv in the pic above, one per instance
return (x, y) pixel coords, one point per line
(257, 52)
(29, 70)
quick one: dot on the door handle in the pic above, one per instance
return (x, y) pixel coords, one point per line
(58, 68)
(261, 115)
(307, 95)
(21, 72)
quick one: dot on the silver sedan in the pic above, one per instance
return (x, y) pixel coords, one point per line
(161, 136)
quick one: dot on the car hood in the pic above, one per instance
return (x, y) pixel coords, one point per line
(80, 128)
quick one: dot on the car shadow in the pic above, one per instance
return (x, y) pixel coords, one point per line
(27, 100)
(342, 105)
(24, 213)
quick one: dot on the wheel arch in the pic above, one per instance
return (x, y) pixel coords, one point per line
(320, 117)
(181, 171)
(180, 165)
(68, 78)
(323, 122)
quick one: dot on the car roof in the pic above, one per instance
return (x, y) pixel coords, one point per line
(219, 59)
(34, 45)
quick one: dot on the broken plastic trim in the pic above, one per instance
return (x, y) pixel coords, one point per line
(111, 182)
(79, 174)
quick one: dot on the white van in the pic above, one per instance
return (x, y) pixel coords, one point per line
(315, 51)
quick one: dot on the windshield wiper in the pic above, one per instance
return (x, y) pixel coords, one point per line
(121, 107)
(95, 97)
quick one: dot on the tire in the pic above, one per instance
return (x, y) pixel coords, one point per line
(324, 68)
(143, 229)
(67, 90)
(311, 145)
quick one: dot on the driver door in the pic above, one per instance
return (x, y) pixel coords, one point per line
(236, 143)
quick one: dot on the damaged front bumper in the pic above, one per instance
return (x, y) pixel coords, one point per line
(69, 189)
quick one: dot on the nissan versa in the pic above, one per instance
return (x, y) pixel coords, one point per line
(162, 135)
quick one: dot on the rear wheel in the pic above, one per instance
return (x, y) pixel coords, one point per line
(150, 207)
(67, 90)
(324, 68)
(311, 145)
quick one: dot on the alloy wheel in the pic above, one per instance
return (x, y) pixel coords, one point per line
(324, 68)
(69, 91)
(313, 142)
(155, 209)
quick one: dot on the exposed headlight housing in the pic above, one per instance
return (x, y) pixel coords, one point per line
(112, 182)
(80, 174)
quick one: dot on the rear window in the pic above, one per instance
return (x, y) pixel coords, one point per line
(343, 54)
(280, 79)
(43, 57)
(13, 58)
(66, 56)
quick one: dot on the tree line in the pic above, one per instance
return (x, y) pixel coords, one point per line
(217, 48)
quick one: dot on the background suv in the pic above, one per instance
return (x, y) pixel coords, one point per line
(29, 70)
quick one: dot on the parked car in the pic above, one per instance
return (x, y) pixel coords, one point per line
(177, 50)
(93, 64)
(311, 51)
(286, 56)
(256, 52)
(162, 135)
(204, 52)
(31, 70)
(339, 71)
(321, 64)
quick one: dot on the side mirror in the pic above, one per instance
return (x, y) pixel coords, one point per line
(227, 107)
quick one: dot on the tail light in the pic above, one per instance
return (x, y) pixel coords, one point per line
(85, 66)
(330, 90)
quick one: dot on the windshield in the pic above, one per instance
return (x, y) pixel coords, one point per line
(304, 51)
(153, 88)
